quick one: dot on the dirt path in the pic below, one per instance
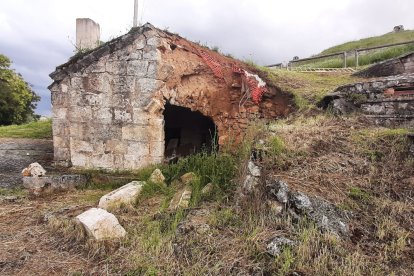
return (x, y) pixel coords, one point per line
(17, 154)
(29, 247)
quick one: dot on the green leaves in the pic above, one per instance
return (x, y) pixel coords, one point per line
(17, 99)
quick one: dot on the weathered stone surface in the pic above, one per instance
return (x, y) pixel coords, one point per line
(327, 216)
(187, 178)
(391, 67)
(387, 101)
(279, 189)
(118, 92)
(101, 225)
(34, 169)
(181, 199)
(301, 202)
(196, 220)
(208, 189)
(123, 195)
(38, 185)
(185, 198)
(276, 245)
(253, 169)
(157, 177)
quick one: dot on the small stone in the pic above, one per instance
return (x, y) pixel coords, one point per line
(188, 178)
(253, 169)
(100, 224)
(123, 195)
(276, 245)
(275, 207)
(157, 177)
(185, 199)
(207, 189)
(301, 202)
(34, 169)
(250, 183)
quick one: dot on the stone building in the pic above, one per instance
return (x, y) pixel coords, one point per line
(150, 94)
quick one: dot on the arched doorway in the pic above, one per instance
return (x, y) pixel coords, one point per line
(187, 132)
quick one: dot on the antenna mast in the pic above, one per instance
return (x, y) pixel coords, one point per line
(135, 23)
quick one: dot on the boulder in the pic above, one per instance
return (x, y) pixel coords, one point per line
(157, 177)
(276, 245)
(123, 195)
(34, 169)
(188, 178)
(100, 224)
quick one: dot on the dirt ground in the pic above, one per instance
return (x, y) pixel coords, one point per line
(27, 245)
(17, 154)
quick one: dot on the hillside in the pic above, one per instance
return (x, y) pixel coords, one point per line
(365, 58)
(387, 38)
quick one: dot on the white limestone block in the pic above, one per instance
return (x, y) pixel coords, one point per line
(100, 224)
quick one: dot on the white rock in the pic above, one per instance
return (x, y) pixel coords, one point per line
(157, 177)
(123, 195)
(253, 169)
(34, 169)
(277, 244)
(101, 224)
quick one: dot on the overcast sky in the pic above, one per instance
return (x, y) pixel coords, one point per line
(39, 35)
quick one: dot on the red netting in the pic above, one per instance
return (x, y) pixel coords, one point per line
(214, 65)
(256, 91)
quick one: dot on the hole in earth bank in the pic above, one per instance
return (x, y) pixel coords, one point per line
(187, 132)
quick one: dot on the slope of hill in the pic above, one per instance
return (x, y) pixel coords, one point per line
(387, 38)
(368, 57)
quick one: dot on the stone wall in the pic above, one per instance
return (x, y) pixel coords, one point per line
(386, 101)
(400, 65)
(108, 104)
(99, 119)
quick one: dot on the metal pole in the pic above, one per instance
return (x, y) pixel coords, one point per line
(135, 23)
(356, 59)
(344, 59)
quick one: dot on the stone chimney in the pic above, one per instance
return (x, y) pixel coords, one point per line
(88, 33)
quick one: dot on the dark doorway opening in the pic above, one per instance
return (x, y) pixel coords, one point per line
(187, 132)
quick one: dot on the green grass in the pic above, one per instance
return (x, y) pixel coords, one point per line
(307, 88)
(370, 57)
(33, 130)
(388, 38)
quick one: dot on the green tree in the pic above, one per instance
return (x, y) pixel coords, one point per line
(17, 99)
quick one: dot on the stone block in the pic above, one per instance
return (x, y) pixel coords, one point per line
(122, 116)
(103, 115)
(46, 184)
(123, 195)
(138, 148)
(137, 68)
(136, 133)
(101, 225)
